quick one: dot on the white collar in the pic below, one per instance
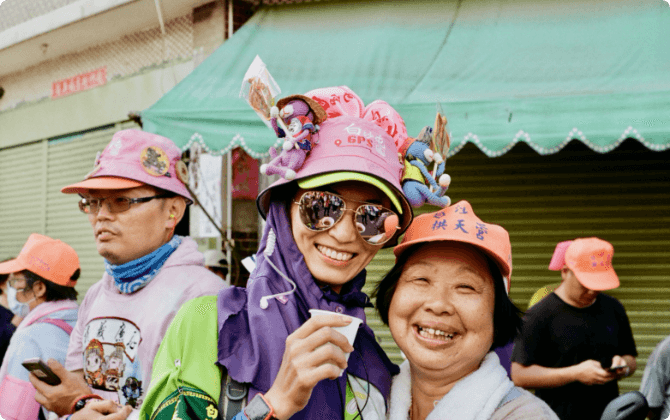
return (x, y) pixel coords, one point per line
(474, 397)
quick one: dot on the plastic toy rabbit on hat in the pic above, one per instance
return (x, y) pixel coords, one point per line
(419, 184)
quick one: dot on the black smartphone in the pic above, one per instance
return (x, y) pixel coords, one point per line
(41, 370)
(613, 368)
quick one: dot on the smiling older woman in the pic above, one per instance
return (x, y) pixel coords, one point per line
(446, 304)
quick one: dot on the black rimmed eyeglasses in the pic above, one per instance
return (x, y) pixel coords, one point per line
(114, 204)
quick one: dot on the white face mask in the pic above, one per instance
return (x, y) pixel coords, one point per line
(18, 308)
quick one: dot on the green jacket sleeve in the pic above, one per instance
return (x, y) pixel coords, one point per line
(185, 362)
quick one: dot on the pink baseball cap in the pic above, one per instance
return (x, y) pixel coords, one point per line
(134, 158)
(591, 261)
(558, 259)
(51, 259)
(459, 223)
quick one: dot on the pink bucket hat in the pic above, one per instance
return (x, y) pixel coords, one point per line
(134, 158)
(591, 261)
(558, 259)
(358, 147)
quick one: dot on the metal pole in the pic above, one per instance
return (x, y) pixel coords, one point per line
(229, 211)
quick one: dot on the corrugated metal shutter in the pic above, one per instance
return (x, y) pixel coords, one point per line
(70, 159)
(22, 193)
(622, 197)
(31, 177)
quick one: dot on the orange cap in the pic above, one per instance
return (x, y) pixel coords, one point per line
(51, 259)
(101, 183)
(591, 261)
(459, 223)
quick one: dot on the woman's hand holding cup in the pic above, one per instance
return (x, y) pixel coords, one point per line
(314, 352)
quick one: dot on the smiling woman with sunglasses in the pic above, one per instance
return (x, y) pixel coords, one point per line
(322, 229)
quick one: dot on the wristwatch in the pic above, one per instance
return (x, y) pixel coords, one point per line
(82, 400)
(259, 409)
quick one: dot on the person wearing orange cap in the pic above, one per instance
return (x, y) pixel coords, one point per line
(133, 198)
(446, 303)
(577, 342)
(41, 291)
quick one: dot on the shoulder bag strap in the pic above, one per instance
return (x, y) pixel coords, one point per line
(57, 322)
(233, 397)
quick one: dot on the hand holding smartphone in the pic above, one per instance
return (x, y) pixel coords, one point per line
(614, 368)
(40, 369)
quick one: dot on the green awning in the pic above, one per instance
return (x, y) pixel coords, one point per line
(540, 72)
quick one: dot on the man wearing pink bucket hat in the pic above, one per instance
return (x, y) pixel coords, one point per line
(134, 197)
(576, 342)
(323, 228)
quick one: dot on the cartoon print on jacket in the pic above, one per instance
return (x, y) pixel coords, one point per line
(110, 358)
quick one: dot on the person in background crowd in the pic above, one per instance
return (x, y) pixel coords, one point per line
(446, 303)
(323, 228)
(41, 291)
(655, 384)
(216, 262)
(134, 197)
(576, 342)
(8, 320)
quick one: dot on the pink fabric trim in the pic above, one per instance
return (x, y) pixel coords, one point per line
(18, 400)
(41, 310)
(57, 322)
(558, 259)
(46, 308)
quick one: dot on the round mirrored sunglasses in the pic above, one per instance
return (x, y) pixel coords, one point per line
(321, 210)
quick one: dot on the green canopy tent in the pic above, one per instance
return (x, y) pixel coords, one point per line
(540, 72)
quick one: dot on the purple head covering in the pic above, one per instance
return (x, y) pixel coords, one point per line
(252, 340)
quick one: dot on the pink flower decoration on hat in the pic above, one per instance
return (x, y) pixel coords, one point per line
(341, 101)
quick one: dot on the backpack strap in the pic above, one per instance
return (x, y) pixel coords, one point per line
(57, 322)
(233, 396)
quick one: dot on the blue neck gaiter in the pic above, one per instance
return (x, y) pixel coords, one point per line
(135, 274)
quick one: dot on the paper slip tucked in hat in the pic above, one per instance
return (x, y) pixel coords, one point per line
(459, 223)
(591, 261)
(51, 259)
(134, 158)
(558, 259)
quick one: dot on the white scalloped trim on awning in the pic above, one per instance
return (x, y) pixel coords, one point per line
(238, 140)
(574, 134)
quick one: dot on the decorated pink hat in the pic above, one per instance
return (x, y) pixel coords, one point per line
(355, 143)
(134, 158)
(558, 259)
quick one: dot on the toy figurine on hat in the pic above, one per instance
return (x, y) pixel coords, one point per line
(294, 119)
(418, 184)
(300, 116)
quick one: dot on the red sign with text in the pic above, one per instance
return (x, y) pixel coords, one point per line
(79, 83)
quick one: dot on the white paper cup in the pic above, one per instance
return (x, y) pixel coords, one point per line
(348, 331)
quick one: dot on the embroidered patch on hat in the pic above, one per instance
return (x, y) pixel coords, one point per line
(155, 161)
(182, 171)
